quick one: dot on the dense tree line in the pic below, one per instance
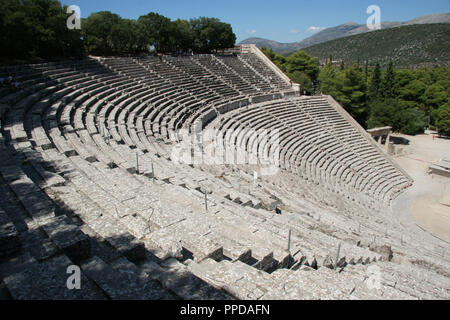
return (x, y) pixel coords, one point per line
(407, 100)
(38, 28)
(107, 33)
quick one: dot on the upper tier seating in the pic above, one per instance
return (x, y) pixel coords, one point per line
(319, 144)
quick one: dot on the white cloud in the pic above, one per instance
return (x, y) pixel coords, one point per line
(314, 29)
(295, 31)
(253, 31)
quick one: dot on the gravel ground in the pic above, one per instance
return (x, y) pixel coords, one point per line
(421, 204)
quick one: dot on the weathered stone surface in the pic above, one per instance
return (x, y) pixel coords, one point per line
(297, 265)
(306, 268)
(328, 263)
(37, 206)
(273, 206)
(100, 247)
(37, 243)
(342, 263)
(153, 287)
(124, 242)
(9, 237)
(314, 264)
(48, 281)
(188, 284)
(68, 238)
(16, 264)
(266, 263)
(385, 251)
(121, 281)
(174, 251)
(129, 247)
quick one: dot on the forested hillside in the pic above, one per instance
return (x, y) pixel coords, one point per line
(407, 100)
(425, 45)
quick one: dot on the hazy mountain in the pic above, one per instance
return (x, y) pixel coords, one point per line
(330, 34)
(431, 18)
(277, 46)
(344, 30)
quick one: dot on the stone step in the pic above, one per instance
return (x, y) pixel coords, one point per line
(60, 230)
(120, 280)
(32, 237)
(9, 237)
(180, 280)
(178, 235)
(108, 227)
(239, 279)
(67, 237)
(48, 281)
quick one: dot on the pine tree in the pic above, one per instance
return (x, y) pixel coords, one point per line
(367, 72)
(374, 93)
(388, 87)
(354, 91)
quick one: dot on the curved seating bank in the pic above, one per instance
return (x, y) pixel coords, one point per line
(87, 178)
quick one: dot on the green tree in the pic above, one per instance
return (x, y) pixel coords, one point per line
(332, 81)
(15, 25)
(303, 79)
(411, 93)
(225, 36)
(327, 78)
(183, 34)
(382, 113)
(300, 61)
(278, 59)
(410, 121)
(98, 28)
(434, 97)
(210, 34)
(404, 77)
(354, 94)
(374, 93)
(36, 28)
(123, 37)
(158, 31)
(366, 72)
(442, 116)
(388, 85)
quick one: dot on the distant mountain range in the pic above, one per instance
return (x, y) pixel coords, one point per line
(344, 30)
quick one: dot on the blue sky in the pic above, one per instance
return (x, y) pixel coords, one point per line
(282, 20)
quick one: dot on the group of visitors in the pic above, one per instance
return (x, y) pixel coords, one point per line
(10, 82)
